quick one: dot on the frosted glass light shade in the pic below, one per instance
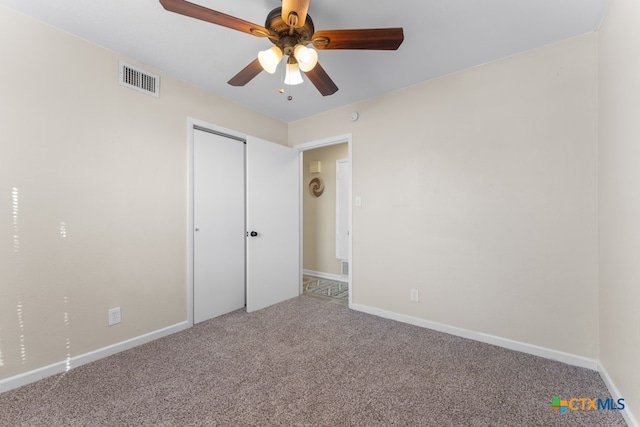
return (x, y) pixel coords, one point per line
(270, 58)
(307, 58)
(293, 76)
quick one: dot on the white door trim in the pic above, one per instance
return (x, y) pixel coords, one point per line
(338, 139)
(191, 123)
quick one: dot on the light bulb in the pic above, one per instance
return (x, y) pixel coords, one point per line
(270, 58)
(307, 58)
(293, 76)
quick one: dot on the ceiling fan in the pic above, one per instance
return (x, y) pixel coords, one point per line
(291, 30)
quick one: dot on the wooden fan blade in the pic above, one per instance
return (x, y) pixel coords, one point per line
(299, 7)
(369, 39)
(246, 74)
(209, 15)
(321, 80)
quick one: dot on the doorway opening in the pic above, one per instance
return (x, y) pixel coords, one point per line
(325, 173)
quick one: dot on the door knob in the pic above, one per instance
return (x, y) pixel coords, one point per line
(254, 233)
(197, 229)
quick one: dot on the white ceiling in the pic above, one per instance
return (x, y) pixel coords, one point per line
(441, 37)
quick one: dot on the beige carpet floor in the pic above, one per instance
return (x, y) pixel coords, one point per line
(307, 362)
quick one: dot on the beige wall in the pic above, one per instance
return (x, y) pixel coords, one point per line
(92, 195)
(619, 200)
(479, 190)
(319, 217)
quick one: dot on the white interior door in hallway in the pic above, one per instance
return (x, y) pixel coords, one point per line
(246, 224)
(342, 209)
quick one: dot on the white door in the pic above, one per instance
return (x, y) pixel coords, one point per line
(342, 209)
(219, 222)
(273, 212)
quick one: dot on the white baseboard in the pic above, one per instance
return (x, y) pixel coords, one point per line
(327, 276)
(571, 359)
(62, 366)
(629, 418)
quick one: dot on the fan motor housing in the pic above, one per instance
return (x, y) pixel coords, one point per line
(285, 37)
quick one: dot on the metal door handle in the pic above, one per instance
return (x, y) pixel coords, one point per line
(254, 233)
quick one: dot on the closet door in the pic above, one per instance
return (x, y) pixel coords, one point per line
(273, 215)
(219, 221)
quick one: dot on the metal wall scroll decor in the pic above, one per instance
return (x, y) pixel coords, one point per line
(316, 187)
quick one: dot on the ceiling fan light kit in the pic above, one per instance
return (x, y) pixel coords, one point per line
(292, 76)
(290, 29)
(307, 58)
(270, 58)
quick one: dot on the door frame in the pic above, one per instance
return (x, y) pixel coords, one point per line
(333, 140)
(191, 124)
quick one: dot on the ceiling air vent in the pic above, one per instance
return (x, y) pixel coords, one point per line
(140, 80)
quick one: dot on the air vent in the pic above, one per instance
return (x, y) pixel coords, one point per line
(345, 268)
(140, 80)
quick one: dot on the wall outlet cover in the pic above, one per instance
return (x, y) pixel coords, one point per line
(115, 316)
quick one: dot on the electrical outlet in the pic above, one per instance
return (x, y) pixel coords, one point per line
(414, 295)
(114, 316)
